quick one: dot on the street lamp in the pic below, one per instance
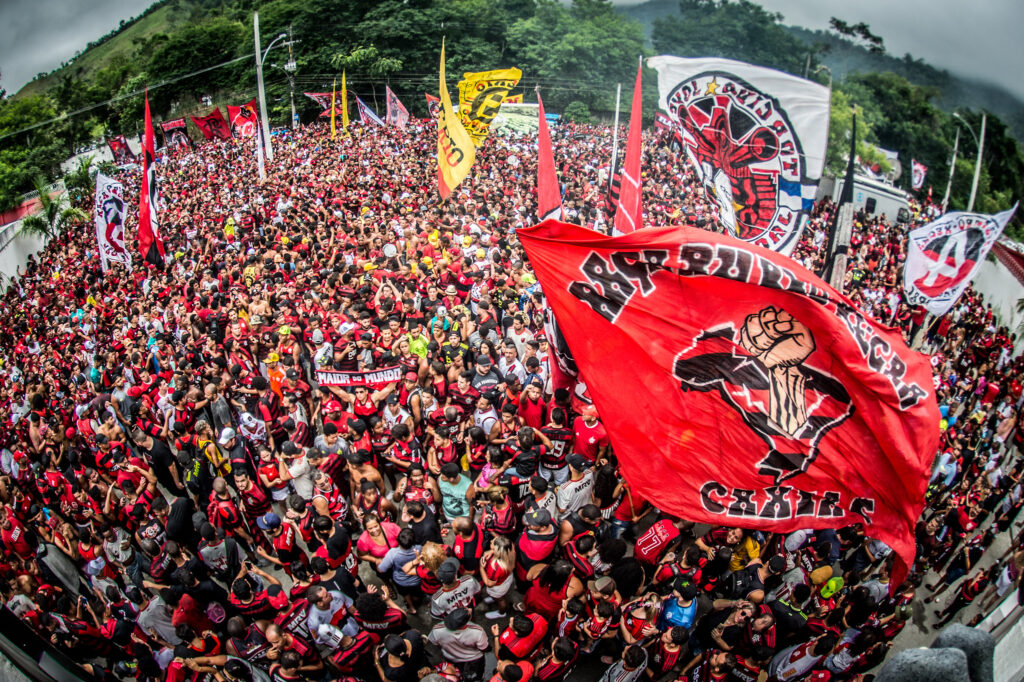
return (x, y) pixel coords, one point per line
(980, 141)
(822, 67)
(260, 59)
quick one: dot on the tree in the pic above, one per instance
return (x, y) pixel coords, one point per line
(53, 216)
(577, 112)
(859, 33)
(81, 182)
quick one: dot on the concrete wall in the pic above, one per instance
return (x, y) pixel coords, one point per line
(1002, 290)
(16, 253)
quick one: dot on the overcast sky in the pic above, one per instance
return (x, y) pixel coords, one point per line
(978, 39)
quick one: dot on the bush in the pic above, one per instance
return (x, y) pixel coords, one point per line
(577, 112)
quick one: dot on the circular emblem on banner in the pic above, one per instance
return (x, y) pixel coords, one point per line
(746, 155)
(949, 259)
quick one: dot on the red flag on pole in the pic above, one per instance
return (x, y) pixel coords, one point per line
(628, 215)
(737, 387)
(549, 197)
(150, 245)
(213, 125)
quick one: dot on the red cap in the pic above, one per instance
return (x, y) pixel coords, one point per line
(589, 411)
(412, 376)
(332, 406)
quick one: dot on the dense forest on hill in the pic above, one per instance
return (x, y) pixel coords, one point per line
(575, 52)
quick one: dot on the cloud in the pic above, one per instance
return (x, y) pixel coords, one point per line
(37, 35)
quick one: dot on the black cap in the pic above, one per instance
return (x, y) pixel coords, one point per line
(457, 619)
(577, 461)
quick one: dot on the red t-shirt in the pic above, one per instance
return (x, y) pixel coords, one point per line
(651, 545)
(588, 440)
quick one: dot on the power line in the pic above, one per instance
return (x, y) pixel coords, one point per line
(134, 93)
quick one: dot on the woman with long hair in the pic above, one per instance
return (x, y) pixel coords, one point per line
(496, 568)
(550, 585)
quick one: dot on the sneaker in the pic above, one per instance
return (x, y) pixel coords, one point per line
(495, 615)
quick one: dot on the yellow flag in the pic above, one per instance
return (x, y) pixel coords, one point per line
(344, 104)
(480, 97)
(455, 150)
(334, 92)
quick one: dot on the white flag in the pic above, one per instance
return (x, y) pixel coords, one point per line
(398, 115)
(756, 138)
(366, 114)
(943, 257)
(110, 223)
(917, 173)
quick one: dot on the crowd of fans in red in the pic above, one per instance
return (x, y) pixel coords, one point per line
(182, 501)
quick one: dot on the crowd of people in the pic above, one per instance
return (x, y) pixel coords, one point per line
(182, 500)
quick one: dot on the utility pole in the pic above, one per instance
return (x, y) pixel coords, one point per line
(290, 68)
(977, 165)
(615, 144)
(952, 167)
(264, 122)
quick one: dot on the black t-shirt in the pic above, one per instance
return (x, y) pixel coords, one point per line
(426, 529)
(407, 672)
(179, 522)
(163, 462)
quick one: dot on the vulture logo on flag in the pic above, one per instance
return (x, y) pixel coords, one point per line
(746, 153)
(787, 403)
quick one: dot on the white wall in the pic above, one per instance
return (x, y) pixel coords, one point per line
(1002, 290)
(15, 254)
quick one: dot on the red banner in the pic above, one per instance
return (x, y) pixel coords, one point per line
(737, 387)
(375, 379)
(213, 125)
(176, 133)
(244, 120)
(151, 247)
(323, 100)
(433, 105)
(549, 195)
(120, 149)
(629, 213)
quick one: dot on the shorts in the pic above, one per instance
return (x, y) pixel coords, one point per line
(407, 590)
(501, 589)
(557, 476)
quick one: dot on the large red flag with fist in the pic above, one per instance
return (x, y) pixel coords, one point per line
(737, 387)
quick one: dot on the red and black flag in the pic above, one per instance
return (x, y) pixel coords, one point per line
(739, 388)
(176, 134)
(323, 100)
(245, 122)
(433, 105)
(120, 149)
(213, 125)
(150, 245)
(629, 213)
(549, 195)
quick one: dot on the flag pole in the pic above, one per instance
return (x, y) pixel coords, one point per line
(952, 167)
(615, 142)
(839, 239)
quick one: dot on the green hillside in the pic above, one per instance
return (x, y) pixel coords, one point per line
(132, 42)
(846, 58)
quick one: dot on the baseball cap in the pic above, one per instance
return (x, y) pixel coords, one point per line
(577, 461)
(285, 330)
(686, 589)
(269, 521)
(457, 619)
(604, 585)
(483, 359)
(412, 376)
(448, 571)
(292, 374)
(226, 434)
(318, 336)
(332, 406)
(273, 357)
(393, 399)
(538, 517)
(776, 564)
